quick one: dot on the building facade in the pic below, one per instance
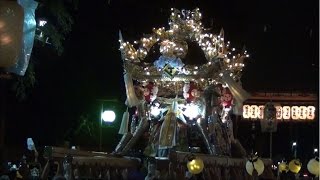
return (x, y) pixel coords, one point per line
(297, 120)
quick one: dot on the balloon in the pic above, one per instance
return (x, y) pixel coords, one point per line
(313, 166)
(295, 165)
(283, 167)
(195, 166)
(255, 163)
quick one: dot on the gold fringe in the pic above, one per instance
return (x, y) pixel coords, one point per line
(168, 131)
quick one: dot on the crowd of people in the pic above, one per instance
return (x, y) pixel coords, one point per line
(29, 166)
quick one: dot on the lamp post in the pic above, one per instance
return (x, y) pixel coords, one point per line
(107, 115)
(315, 151)
(294, 149)
(268, 123)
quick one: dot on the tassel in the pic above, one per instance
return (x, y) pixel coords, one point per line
(202, 128)
(123, 142)
(168, 131)
(237, 109)
(124, 123)
(132, 99)
(141, 128)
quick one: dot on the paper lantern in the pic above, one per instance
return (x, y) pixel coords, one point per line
(255, 163)
(11, 31)
(295, 165)
(283, 167)
(313, 166)
(195, 166)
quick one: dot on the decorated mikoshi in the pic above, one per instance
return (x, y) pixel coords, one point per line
(182, 81)
(81, 164)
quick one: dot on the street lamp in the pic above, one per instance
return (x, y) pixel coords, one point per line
(294, 149)
(107, 115)
(269, 123)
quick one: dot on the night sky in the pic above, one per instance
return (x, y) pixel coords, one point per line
(280, 36)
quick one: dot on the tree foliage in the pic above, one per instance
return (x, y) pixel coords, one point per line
(58, 14)
(59, 17)
(22, 84)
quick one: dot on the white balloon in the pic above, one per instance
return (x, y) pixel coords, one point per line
(313, 167)
(258, 166)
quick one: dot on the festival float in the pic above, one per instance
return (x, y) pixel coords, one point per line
(183, 85)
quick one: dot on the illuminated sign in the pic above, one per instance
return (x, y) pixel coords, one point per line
(283, 112)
